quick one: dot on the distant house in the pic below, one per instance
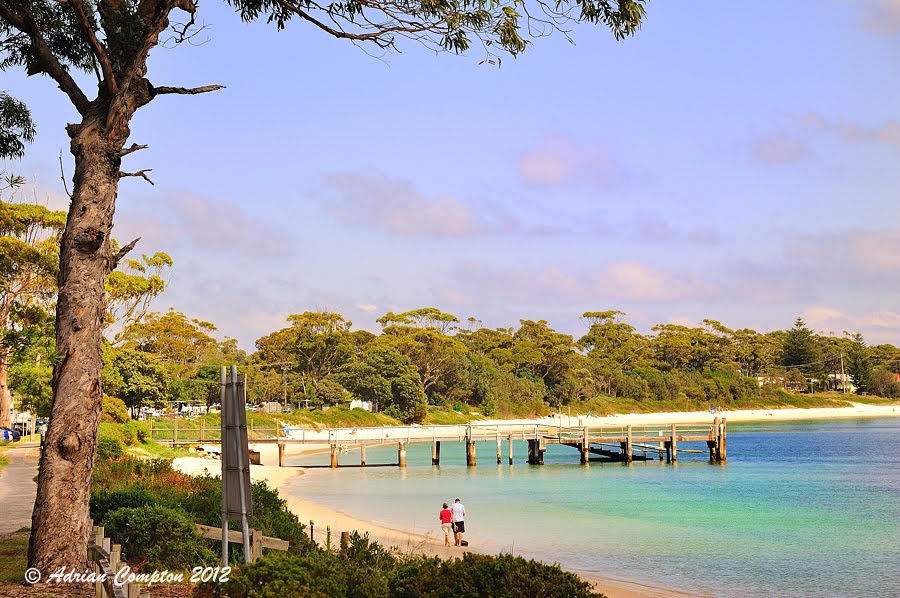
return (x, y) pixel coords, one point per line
(357, 404)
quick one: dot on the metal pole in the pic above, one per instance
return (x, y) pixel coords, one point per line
(241, 461)
(224, 415)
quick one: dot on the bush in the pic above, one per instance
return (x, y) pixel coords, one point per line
(110, 443)
(502, 576)
(103, 502)
(369, 571)
(157, 537)
(135, 432)
(115, 410)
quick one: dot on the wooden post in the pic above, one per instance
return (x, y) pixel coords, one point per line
(499, 450)
(661, 446)
(714, 449)
(668, 451)
(723, 453)
(436, 452)
(674, 443)
(584, 446)
(134, 590)
(628, 445)
(510, 449)
(334, 456)
(362, 455)
(345, 541)
(256, 545)
(541, 447)
(531, 452)
(202, 430)
(401, 454)
(470, 452)
(280, 454)
(174, 432)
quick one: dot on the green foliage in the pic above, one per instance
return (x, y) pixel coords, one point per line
(157, 537)
(502, 576)
(365, 569)
(801, 349)
(115, 410)
(884, 384)
(136, 377)
(104, 501)
(858, 365)
(110, 441)
(16, 127)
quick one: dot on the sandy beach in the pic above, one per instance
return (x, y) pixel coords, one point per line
(432, 544)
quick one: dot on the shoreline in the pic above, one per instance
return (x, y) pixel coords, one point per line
(284, 479)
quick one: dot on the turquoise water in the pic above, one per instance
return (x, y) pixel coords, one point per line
(801, 509)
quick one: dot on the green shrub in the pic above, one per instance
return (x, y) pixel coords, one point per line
(502, 576)
(103, 501)
(157, 537)
(129, 435)
(115, 409)
(110, 443)
(318, 574)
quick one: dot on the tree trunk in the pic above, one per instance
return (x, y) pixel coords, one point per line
(5, 396)
(59, 527)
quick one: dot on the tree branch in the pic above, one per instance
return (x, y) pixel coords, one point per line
(130, 150)
(140, 173)
(123, 252)
(96, 46)
(44, 57)
(185, 90)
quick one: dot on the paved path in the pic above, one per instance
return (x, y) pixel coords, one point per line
(17, 488)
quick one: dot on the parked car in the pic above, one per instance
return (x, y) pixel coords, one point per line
(9, 435)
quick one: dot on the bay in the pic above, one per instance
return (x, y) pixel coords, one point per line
(800, 508)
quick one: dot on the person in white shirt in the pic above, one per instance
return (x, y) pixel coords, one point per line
(459, 520)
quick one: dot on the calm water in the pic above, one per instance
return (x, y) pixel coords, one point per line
(801, 509)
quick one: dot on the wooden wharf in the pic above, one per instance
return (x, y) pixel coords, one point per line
(624, 444)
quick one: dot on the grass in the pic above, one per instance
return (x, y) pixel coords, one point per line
(4, 460)
(13, 557)
(154, 450)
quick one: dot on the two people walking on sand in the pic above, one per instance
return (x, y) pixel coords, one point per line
(453, 519)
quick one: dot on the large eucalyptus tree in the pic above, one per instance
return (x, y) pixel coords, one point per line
(113, 38)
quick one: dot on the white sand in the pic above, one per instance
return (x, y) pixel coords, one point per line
(404, 541)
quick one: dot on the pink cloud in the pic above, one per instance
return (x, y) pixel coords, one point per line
(376, 202)
(886, 133)
(188, 219)
(619, 281)
(779, 148)
(880, 16)
(557, 161)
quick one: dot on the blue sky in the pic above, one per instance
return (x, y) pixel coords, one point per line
(735, 161)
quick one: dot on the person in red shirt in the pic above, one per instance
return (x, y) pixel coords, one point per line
(446, 524)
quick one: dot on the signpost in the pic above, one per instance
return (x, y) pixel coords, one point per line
(236, 503)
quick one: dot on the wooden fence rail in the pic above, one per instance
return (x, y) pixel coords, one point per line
(257, 540)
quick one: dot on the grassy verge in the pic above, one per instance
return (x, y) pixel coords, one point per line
(4, 460)
(13, 561)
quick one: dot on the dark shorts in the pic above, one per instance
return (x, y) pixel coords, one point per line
(459, 527)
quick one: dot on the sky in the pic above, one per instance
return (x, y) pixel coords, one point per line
(738, 161)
